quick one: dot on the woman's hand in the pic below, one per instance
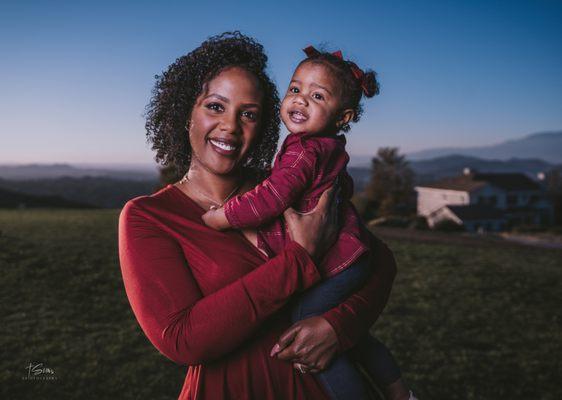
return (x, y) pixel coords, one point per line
(316, 230)
(311, 342)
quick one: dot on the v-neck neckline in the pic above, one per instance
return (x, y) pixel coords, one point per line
(203, 211)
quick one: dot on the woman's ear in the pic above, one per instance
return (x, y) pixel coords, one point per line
(345, 116)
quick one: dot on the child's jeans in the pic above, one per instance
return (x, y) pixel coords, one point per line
(342, 380)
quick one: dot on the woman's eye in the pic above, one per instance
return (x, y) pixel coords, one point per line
(293, 89)
(215, 107)
(251, 115)
(318, 96)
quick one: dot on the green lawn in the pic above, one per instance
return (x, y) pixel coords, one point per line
(465, 322)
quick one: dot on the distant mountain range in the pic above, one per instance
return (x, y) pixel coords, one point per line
(51, 171)
(452, 165)
(546, 146)
(436, 168)
(111, 186)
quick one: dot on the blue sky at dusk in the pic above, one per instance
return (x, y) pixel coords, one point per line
(77, 75)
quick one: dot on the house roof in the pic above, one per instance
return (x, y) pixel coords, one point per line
(463, 183)
(473, 181)
(509, 181)
(476, 212)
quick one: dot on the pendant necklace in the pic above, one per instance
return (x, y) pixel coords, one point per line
(216, 204)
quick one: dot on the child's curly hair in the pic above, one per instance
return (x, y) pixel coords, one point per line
(177, 89)
(353, 89)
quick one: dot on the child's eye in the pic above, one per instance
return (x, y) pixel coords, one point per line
(215, 107)
(318, 96)
(251, 115)
(294, 89)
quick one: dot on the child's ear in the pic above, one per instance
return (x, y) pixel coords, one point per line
(345, 116)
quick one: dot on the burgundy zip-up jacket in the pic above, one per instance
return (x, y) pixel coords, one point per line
(305, 166)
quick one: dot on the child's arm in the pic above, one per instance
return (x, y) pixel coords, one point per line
(216, 219)
(290, 177)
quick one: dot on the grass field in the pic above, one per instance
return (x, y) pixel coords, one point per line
(465, 321)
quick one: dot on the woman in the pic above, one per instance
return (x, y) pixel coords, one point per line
(212, 300)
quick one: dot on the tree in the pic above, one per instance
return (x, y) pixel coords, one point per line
(391, 189)
(553, 182)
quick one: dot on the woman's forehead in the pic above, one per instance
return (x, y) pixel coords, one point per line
(237, 85)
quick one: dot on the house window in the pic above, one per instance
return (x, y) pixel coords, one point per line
(493, 200)
(511, 199)
(481, 200)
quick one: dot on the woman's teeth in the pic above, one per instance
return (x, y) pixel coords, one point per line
(222, 145)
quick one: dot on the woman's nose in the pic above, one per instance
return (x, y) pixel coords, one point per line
(230, 124)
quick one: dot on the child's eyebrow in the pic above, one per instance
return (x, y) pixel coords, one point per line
(321, 87)
(313, 84)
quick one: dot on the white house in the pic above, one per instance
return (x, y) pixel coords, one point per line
(484, 201)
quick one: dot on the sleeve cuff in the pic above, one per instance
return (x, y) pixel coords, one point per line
(310, 273)
(231, 215)
(344, 341)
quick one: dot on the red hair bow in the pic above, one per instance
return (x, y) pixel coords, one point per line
(358, 73)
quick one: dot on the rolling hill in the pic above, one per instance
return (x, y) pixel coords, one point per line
(546, 146)
(13, 199)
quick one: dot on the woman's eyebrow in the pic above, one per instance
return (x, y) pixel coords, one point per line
(218, 96)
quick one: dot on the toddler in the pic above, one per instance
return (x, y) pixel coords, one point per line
(322, 100)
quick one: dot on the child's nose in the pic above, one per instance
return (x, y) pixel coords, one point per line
(299, 99)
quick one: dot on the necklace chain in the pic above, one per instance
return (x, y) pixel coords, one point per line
(216, 203)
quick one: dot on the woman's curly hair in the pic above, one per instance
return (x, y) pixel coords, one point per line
(352, 88)
(177, 89)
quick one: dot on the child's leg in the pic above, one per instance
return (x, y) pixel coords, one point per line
(377, 360)
(331, 292)
(342, 380)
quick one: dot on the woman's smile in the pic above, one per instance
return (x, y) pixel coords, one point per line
(224, 146)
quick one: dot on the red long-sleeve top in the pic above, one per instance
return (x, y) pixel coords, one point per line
(305, 166)
(214, 302)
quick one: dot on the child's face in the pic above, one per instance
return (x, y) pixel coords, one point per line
(312, 103)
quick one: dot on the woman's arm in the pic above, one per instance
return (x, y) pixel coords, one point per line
(182, 324)
(313, 341)
(354, 317)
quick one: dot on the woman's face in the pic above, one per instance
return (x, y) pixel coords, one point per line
(224, 122)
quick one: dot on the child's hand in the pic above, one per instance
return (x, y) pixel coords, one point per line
(216, 219)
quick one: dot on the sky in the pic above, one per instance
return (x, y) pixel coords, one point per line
(76, 76)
